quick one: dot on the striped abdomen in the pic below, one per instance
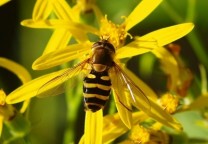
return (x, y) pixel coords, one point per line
(96, 90)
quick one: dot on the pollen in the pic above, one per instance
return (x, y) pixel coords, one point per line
(139, 135)
(169, 102)
(116, 34)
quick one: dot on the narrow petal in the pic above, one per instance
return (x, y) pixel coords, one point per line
(25, 106)
(93, 127)
(139, 83)
(61, 56)
(154, 40)
(31, 89)
(136, 47)
(113, 126)
(98, 13)
(2, 2)
(153, 110)
(42, 9)
(169, 34)
(63, 10)
(15, 68)
(142, 10)
(125, 114)
(58, 40)
(122, 102)
(78, 30)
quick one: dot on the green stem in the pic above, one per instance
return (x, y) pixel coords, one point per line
(198, 48)
(191, 10)
(171, 12)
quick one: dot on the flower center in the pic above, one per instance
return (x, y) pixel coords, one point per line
(169, 102)
(116, 34)
(139, 135)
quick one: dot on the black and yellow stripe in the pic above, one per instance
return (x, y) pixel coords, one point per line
(96, 90)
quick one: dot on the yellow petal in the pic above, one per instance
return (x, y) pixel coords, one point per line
(63, 10)
(15, 68)
(93, 127)
(152, 109)
(125, 114)
(25, 106)
(42, 9)
(2, 2)
(144, 87)
(142, 10)
(58, 40)
(113, 126)
(154, 40)
(136, 47)
(31, 89)
(169, 34)
(122, 102)
(98, 13)
(61, 56)
(78, 30)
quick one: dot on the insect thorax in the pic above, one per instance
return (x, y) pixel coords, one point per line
(102, 55)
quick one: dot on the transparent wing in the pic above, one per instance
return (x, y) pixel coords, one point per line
(57, 84)
(128, 90)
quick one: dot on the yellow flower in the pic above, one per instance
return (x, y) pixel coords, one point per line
(116, 35)
(43, 17)
(113, 127)
(7, 112)
(2, 2)
(93, 127)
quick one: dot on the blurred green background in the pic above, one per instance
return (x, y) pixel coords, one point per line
(48, 116)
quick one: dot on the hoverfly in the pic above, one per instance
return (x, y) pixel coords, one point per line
(103, 74)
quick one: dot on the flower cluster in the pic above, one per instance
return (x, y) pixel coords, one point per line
(139, 115)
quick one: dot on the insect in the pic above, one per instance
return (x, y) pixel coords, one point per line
(103, 75)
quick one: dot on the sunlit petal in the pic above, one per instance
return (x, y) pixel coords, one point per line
(93, 127)
(78, 30)
(30, 89)
(15, 68)
(25, 106)
(58, 40)
(125, 114)
(143, 9)
(154, 40)
(169, 34)
(63, 10)
(42, 9)
(122, 102)
(60, 56)
(139, 83)
(153, 110)
(2, 2)
(113, 126)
